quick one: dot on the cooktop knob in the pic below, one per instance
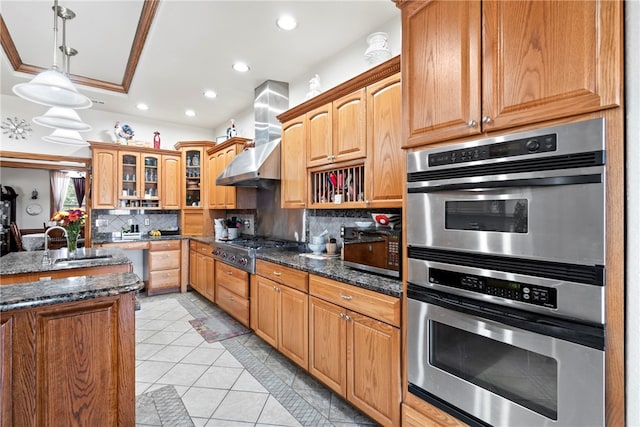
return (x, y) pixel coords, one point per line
(232, 258)
(216, 252)
(224, 255)
(243, 261)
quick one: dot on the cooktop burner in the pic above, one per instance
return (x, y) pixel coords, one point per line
(241, 252)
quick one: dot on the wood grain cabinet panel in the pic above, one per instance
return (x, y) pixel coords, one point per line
(280, 313)
(385, 159)
(104, 172)
(293, 173)
(170, 194)
(319, 135)
(349, 127)
(470, 67)
(355, 355)
(6, 369)
(165, 258)
(72, 364)
(232, 291)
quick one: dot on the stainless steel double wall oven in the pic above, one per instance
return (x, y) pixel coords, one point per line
(506, 276)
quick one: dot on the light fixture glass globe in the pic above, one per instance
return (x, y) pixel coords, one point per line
(54, 89)
(62, 118)
(68, 137)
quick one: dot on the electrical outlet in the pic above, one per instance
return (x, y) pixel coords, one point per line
(146, 221)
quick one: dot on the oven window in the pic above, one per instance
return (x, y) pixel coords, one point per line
(524, 377)
(506, 216)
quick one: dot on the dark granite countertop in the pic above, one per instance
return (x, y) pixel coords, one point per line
(31, 262)
(334, 268)
(106, 238)
(36, 294)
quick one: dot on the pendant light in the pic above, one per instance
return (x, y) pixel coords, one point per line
(59, 117)
(51, 87)
(65, 136)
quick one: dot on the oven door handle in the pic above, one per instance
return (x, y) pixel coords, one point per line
(519, 183)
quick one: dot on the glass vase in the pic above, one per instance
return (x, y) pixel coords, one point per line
(72, 242)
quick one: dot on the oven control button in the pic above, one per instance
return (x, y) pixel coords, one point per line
(526, 290)
(532, 145)
(525, 296)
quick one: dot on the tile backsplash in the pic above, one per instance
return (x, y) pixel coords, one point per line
(106, 222)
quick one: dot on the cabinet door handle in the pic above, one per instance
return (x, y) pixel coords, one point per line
(346, 317)
(486, 119)
(472, 123)
(347, 297)
(277, 273)
(341, 316)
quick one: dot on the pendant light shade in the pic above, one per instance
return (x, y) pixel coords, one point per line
(54, 89)
(62, 118)
(68, 137)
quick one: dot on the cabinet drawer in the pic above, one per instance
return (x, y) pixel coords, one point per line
(164, 260)
(204, 249)
(165, 245)
(379, 306)
(193, 245)
(164, 280)
(234, 279)
(233, 304)
(287, 276)
(125, 246)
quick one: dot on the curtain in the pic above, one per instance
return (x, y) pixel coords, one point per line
(78, 186)
(59, 183)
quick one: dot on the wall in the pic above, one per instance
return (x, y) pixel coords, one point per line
(333, 71)
(102, 123)
(632, 49)
(24, 181)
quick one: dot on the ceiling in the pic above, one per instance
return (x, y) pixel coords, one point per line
(166, 53)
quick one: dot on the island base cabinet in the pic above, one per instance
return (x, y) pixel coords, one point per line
(357, 357)
(70, 364)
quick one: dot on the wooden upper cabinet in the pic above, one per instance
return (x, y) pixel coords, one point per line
(170, 182)
(219, 157)
(319, 137)
(293, 172)
(104, 172)
(440, 70)
(349, 127)
(549, 59)
(384, 133)
(470, 67)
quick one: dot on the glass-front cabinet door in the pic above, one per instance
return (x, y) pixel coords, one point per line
(151, 184)
(193, 168)
(128, 174)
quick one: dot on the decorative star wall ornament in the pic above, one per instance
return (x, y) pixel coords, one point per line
(16, 128)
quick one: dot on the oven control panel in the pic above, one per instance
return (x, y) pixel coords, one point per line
(517, 147)
(517, 291)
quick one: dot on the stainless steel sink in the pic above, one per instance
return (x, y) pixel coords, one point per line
(81, 258)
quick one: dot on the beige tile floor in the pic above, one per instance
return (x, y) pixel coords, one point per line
(214, 387)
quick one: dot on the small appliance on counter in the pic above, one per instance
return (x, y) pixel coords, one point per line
(376, 250)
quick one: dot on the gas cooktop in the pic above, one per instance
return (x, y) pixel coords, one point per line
(241, 252)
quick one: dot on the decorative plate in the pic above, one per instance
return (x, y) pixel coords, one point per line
(34, 209)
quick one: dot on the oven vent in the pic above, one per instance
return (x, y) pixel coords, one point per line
(587, 274)
(569, 161)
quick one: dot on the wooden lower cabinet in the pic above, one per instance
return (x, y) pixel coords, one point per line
(69, 364)
(355, 355)
(232, 291)
(201, 269)
(280, 310)
(164, 267)
(432, 417)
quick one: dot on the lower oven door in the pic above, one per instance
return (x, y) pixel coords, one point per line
(498, 373)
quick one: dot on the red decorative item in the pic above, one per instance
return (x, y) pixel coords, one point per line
(156, 139)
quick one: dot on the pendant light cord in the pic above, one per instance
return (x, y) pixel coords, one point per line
(55, 35)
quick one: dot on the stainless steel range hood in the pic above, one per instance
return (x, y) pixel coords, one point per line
(253, 165)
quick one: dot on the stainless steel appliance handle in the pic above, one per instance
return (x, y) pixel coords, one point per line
(548, 181)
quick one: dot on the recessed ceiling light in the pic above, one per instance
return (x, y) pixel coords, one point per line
(286, 23)
(241, 67)
(210, 94)
(142, 106)
(190, 113)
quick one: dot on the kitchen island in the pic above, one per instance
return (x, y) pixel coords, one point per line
(22, 267)
(68, 351)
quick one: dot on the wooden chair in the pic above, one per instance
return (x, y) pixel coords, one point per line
(17, 236)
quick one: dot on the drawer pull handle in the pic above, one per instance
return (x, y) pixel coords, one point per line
(230, 298)
(229, 273)
(347, 297)
(277, 273)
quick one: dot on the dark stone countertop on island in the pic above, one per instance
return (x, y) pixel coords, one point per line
(334, 268)
(41, 293)
(31, 262)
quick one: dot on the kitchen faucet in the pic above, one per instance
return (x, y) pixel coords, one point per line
(45, 258)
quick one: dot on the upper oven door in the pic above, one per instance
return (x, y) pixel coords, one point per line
(560, 219)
